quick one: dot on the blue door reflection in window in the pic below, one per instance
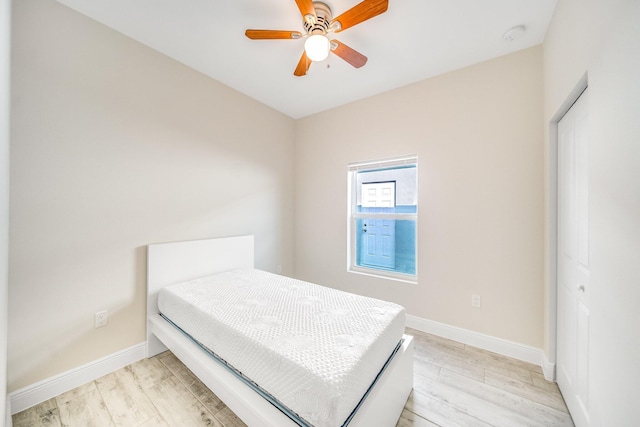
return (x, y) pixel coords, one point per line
(402, 259)
(387, 239)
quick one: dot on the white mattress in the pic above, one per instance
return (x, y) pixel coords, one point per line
(315, 349)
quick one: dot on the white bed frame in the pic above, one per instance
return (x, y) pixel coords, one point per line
(176, 262)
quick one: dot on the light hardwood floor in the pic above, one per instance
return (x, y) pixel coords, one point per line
(454, 385)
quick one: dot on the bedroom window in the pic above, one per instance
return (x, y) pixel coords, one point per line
(383, 216)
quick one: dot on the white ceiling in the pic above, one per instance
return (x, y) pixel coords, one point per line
(413, 40)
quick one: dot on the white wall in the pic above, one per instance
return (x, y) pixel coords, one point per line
(602, 40)
(5, 37)
(478, 136)
(114, 147)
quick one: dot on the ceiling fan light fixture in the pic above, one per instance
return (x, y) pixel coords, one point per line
(317, 47)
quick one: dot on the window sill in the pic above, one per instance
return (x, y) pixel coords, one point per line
(381, 274)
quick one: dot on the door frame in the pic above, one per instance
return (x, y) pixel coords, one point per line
(551, 214)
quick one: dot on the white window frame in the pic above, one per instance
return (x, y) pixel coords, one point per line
(353, 215)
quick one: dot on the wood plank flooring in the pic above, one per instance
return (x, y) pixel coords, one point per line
(454, 385)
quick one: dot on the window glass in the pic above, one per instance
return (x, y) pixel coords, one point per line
(383, 218)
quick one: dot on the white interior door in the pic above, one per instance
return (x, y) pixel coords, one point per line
(573, 261)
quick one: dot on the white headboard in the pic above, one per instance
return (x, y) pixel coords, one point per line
(169, 263)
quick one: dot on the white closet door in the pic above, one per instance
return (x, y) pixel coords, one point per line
(573, 261)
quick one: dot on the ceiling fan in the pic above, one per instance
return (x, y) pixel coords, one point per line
(318, 22)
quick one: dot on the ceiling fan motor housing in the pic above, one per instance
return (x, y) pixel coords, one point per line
(322, 20)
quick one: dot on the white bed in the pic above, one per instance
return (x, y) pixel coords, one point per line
(172, 263)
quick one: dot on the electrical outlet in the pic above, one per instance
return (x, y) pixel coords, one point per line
(100, 319)
(475, 301)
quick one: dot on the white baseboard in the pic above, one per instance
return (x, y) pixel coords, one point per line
(31, 395)
(548, 368)
(518, 351)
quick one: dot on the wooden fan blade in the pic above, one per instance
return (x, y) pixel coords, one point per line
(303, 65)
(364, 10)
(353, 57)
(272, 34)
(306, 8)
